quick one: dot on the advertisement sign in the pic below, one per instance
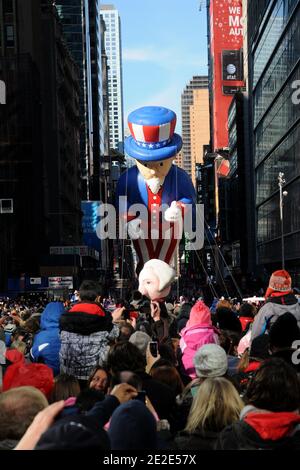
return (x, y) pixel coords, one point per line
(69, 250)
(2, 92)
(90, 221)
(232, 65)
(60, 282)
(35, 281)
(226, 30)
(75, 250)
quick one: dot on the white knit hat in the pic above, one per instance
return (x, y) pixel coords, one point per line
(210, 361)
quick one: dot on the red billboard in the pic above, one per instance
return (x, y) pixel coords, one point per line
(226, 31)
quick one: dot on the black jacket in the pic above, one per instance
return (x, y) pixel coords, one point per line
(161, 396)
(183, 316)
(85, 318)
(199, 440)
(242, 436)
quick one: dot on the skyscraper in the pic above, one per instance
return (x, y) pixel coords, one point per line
(39, 138)
(74, 17)
(195, 123)
(273, 52)
(115, 88)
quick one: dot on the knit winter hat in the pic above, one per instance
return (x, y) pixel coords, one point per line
(200, 314)
(21, 374)
(75, 433)
(280, 281)
(140, 340)
(210, 361)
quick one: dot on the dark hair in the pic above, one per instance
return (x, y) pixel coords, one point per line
(136, 295)
(247, 310)
(125, 356)
(167, 352)
(19, 331)
(229, 340)
(88, 398)
(89, 291)
(33, 324)
(65, 386)
(284, 331)
(104, 368)
(274, 387)
(168, 376)
(124, 336)
(127, 377)
(227, 320)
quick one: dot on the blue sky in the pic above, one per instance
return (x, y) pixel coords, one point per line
(164, 44)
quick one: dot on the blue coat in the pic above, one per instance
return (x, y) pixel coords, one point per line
(46, 343)
(177, 187)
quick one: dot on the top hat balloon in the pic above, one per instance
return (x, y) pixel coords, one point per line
(152, 134)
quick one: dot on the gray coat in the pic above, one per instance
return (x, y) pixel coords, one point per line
(272, 309)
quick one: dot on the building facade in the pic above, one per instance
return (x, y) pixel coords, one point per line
(274, 68)
(113, 50)
(39, 138)
(195, 123)
(75, 19)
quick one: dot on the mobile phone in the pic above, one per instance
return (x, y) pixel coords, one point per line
(154, 348)
(126, 314)
(141, 396)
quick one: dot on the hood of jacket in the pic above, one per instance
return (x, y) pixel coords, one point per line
(86, 318)
(283, 299)
(51, 315)
(273, 426)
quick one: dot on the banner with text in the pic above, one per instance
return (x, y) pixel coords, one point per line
(226, 30)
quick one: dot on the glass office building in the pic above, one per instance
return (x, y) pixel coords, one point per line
(274, 65)
(82, 29)
(115, 87)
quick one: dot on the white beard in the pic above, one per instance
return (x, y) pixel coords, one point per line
(155, 184)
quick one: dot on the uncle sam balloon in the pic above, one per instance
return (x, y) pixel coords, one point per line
(164, 190)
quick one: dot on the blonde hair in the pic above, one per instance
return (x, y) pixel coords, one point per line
(216, 405)
(19, 346)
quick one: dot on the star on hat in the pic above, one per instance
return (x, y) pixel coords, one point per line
(152, 134)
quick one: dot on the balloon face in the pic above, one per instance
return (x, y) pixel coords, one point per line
(154, 169)
(149, 286)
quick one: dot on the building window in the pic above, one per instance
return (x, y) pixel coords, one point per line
(8, 6)
(9, 35)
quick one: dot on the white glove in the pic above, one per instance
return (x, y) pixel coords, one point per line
(173, 214)
(134, 230)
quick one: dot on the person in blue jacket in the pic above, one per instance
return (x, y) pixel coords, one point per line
(46, 343)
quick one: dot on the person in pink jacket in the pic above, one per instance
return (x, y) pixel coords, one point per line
(198, 331)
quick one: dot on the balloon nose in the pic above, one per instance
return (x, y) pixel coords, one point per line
(152, 172)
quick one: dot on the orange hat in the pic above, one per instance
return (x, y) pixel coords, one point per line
(280, 281)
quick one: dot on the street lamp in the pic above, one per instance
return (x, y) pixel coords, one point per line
(282, 194)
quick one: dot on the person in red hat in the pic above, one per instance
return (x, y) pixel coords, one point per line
(279, 300)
